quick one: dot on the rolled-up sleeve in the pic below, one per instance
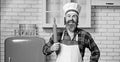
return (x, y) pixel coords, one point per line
(46, 47)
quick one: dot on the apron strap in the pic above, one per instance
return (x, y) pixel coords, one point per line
(62, 35)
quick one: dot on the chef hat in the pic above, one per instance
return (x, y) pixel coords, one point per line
(71, 7)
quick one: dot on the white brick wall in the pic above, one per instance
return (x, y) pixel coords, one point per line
(14, 12)
(105, 26)
(107, 31)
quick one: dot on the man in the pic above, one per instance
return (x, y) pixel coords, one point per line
(72, 41)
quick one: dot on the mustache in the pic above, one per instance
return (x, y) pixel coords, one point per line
(70, 21)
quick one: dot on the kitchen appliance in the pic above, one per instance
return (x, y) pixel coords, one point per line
(24, 49)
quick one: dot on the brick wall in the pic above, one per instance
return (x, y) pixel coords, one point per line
(14, 12)
(105, 26)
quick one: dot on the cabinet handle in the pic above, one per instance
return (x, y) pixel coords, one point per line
(109, 3)
(9, 59)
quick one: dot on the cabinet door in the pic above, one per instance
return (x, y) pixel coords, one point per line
(24, 49)
(113, 2)
(99, 2)
(106, 2)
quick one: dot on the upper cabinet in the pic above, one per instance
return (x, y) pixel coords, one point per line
(106, 2)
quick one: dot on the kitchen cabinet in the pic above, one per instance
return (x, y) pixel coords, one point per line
(105, 2)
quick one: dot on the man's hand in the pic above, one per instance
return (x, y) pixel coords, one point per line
(55, 47)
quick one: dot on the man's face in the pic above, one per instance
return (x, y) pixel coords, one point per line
(71, 20)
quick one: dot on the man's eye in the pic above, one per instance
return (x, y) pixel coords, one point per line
(74, 15)
(68, 16)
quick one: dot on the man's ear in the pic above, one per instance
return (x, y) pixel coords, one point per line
(64, 20)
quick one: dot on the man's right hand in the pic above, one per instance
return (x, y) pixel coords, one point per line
(55, 47)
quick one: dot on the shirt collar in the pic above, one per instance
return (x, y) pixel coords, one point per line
(65, 33)
(75, 32)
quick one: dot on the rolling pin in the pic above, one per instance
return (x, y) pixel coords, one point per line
(55, 31)
(55, 35)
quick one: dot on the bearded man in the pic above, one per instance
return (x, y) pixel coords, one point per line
(73, 40)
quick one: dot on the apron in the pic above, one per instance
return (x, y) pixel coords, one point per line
(69, 53)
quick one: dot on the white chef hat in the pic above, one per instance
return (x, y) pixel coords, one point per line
(71, 7)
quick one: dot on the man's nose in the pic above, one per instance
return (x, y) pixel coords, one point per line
(71, 18)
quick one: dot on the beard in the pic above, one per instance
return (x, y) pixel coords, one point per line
(71, 27)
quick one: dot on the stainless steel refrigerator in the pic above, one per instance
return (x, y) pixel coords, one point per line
(24, 49)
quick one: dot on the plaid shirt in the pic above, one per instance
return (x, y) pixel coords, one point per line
(84, 41)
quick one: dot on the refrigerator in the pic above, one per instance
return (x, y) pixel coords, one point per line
(24, 49)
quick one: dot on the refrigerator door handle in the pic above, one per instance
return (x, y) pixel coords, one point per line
(9, 59)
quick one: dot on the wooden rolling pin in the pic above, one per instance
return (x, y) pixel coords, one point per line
(55, 31)
(55, 35)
